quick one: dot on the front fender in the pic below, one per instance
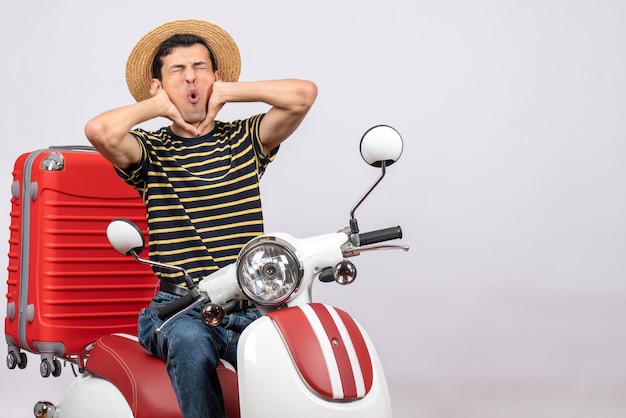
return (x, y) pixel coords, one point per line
(316, 360)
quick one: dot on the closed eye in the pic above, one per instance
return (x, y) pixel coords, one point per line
(200, 65)
(177, 68)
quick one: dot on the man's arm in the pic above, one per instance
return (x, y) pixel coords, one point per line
(290, 100)
(109, 132)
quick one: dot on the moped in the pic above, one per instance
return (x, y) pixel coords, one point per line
(300, 358)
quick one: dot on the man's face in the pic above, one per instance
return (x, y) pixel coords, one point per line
(188, 77)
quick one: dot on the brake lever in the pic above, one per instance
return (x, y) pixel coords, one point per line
(354, 251)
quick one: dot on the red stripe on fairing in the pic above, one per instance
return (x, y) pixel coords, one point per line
(304, 348)
(339, 350)
(360, 347)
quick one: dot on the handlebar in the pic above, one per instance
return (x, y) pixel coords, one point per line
(357, 244)
(174, 306)
(327, 275)
(380, 235)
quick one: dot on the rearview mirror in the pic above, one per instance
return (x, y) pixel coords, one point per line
(379, 144)
(125, 237)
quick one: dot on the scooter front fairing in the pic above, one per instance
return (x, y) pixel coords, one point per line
(313, 360)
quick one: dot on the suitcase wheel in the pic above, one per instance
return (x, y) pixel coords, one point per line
(13, 360)
(45, 368)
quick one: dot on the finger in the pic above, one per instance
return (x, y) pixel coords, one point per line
(202, 127)
(193, 130)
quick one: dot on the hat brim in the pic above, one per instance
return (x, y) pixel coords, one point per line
(139, 64)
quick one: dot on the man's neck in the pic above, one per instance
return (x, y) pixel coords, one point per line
(183, 133)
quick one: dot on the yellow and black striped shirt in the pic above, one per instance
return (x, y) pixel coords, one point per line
(201, 194)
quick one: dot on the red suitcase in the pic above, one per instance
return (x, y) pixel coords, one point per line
(66, 285)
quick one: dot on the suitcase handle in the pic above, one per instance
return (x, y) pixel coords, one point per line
(72, 147)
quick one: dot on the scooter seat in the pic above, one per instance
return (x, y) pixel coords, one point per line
(143, 379)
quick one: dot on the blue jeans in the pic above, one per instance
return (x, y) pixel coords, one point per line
(191, 351)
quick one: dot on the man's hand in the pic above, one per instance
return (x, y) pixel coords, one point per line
(215, 104)
(167, 108)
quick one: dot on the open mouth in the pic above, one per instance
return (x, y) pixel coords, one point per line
(193, 96)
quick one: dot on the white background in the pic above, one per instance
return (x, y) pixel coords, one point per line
(511, 189)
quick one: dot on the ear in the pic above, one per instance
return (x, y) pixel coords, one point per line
(155, 85)
(218, 76)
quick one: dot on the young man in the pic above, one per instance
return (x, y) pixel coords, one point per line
(199, 179)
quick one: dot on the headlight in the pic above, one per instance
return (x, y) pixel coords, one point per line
(268, 271)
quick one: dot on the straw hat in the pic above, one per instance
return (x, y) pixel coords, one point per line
(139, 64)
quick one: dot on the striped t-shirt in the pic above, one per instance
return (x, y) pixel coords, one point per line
(201, 194)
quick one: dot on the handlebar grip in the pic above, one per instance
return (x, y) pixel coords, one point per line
(327, 275)
(380, 235)
(174, 306)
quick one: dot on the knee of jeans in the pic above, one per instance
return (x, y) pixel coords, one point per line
(238, 321)
(187, 350)
(184, 335)
(188, 331)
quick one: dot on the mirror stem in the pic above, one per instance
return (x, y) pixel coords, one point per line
(190, 283)
(354, 227)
